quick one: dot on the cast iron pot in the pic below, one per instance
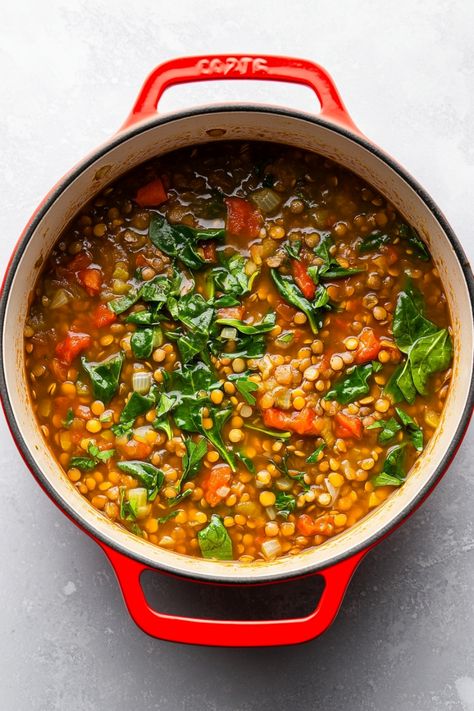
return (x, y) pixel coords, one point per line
(145, 135)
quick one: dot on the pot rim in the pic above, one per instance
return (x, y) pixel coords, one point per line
(53, 195)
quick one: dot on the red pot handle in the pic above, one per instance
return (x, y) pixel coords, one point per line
(231, 633)
(240, 66)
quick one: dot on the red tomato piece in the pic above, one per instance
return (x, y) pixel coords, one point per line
(79, 262)
(132, 449)
(305, 525)
(304, 422)
(151, 194)
(141, 260)
(91, 280)
(284, 311)
(103, 316)
(209, 251)
(391, 253)
(369, 346)
(243, 219)
(303, 280)
(73, 344)
(216, 484)
(346, 426)
(59, 369)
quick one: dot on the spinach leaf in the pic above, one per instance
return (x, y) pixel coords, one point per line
(392, 389)
(243, 347)
(68, 420)
(315, 455)
(148, 475)
(331, 269)
(393, 473)
(409, 322)
(288, 289)
(159, 289)
(96, 456)
(193, 311)
(123, 303)
(193, 378)
(354, 385)
(195, 452)
(137, 405)
(189, 344)
(146, 317)
(230, 277)
(127, 510)
(164, 406)
(278, 434)
(104, 376)
(265, 325)
(294, 474)
(181, 496)
(247, 461)
(426, 356)
(429, 355)
(293, 249)
(144, 340)
(414, 241)
(285, 504)
(214, 541)
(373, 241)
(214, 434)
(168, 516)
(389, 429)
(245, 387)
(180, 241)
(414, 431)
(85, 464)
(428, 348)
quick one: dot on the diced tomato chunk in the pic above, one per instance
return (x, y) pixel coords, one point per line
(141, 260)
(152, 194)
(236, 312)
(59, 369)
(285, 311)
(243, 219)
(91, 280)
(369, 346)
(73, 344)
(103, 316)
(347, 426)
(304, 422)
(391, 253)
(132, 449)
(216, 484)
(209, 251)
(302, 278)
(305, 525)
(79, 262)
(83, 412)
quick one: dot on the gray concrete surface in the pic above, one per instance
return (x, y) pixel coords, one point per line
(404, 640)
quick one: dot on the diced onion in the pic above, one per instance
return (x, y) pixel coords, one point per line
(139, 501)
(271, 548)
(60, 299)
(266, 200)
(141, 382)
(332, 490)
(271, 513)
(229, 334)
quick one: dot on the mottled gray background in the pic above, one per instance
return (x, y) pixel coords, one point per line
(404, 640)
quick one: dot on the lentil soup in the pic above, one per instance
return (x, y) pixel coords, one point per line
(238, 350)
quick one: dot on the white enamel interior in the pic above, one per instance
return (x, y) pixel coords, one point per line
(155, 139)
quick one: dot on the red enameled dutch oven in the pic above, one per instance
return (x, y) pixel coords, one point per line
(144, 135)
